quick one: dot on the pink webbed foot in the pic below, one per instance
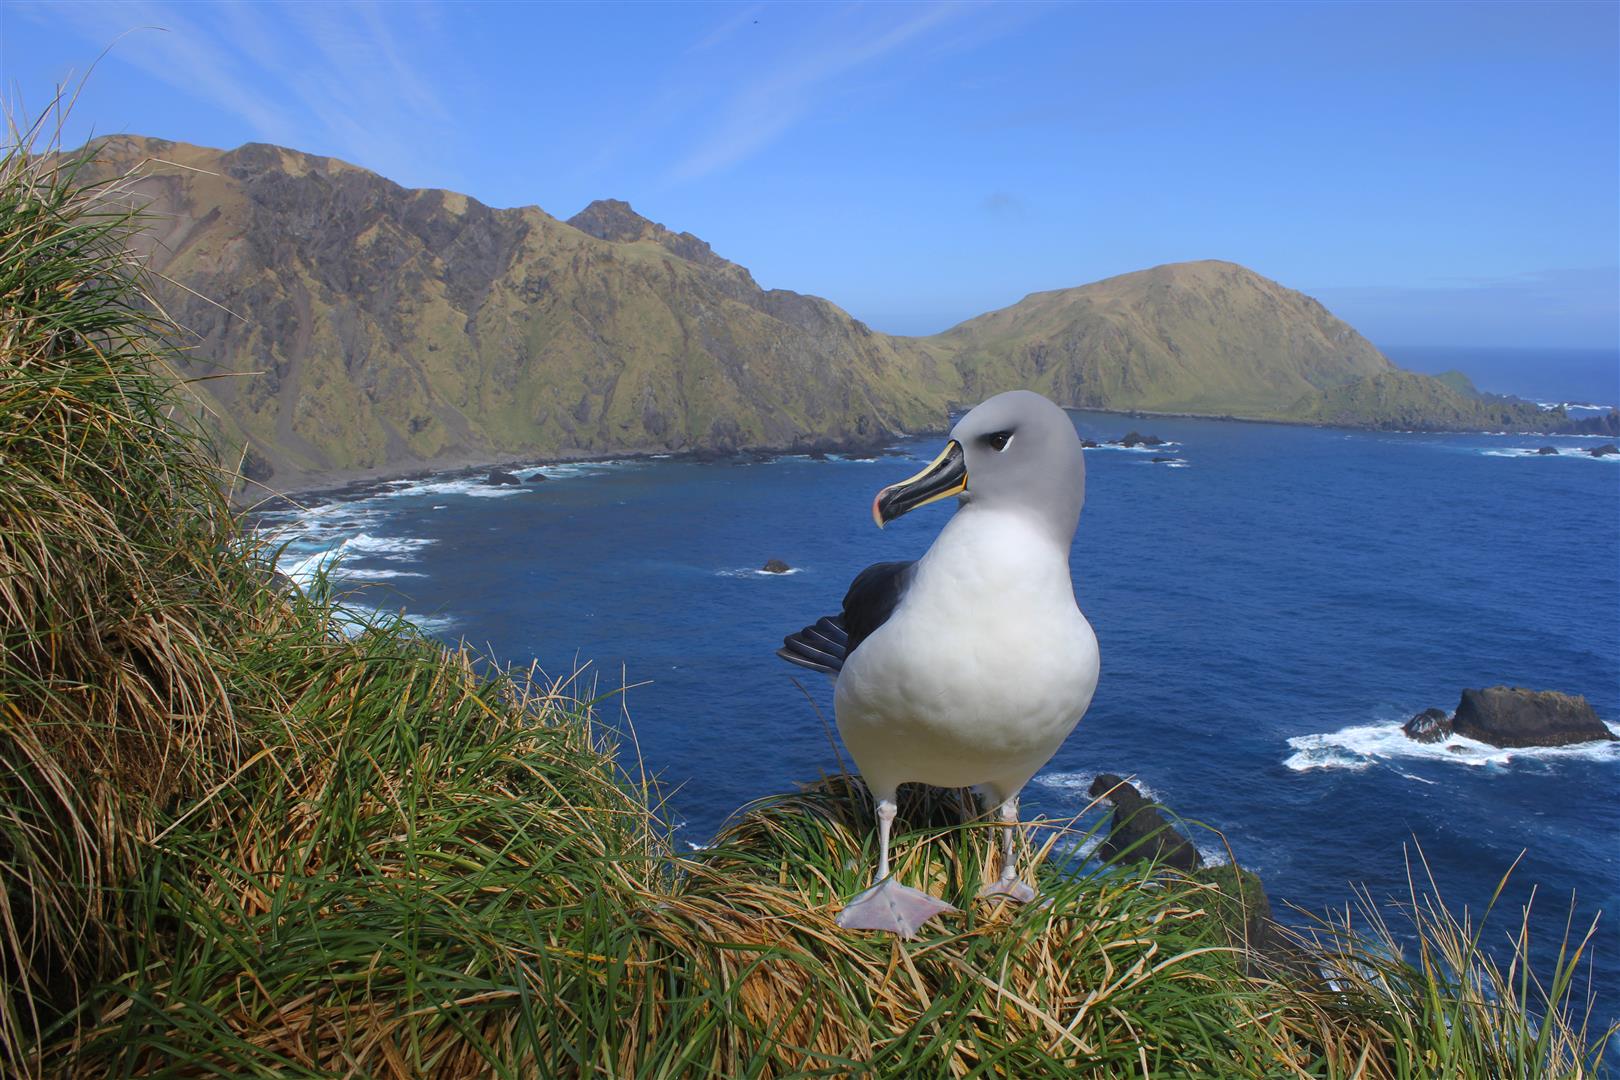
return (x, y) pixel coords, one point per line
(891, 906)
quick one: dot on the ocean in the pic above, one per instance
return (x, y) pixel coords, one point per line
(1271, 602)
(1549, 376)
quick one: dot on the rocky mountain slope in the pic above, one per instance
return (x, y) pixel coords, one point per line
(360, 325)
(369, 326)
(1208, 337)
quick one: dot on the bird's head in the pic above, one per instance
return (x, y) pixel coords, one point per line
(1016, 451)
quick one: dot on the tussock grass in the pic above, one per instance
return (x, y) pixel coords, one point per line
(116, 595)
(242, 837)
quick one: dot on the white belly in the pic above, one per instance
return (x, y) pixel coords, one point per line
(977, 678)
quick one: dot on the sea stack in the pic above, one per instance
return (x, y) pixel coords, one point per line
(1513, 716)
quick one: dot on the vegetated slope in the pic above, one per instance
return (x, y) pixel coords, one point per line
(1406, 401)
(385, 326)
(363, 325)
(1209, 337)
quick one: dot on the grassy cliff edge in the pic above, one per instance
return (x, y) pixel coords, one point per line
(242, 837)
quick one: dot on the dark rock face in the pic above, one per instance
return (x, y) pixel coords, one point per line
(1605, 450)
(1428, 726)
(1138, 830)
(1545, 450)
(1513, 716)
(1607, 424)
(1088, 444)
(537, 478)
(497, 477)
(1158, 458)
(776, 566)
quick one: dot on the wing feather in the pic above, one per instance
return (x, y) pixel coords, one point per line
(872, 597)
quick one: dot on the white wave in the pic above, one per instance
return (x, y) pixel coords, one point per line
(1563, 452)
(1575, 405)
(1139, 448)
(303, 565)
(302, 570)
(754, 571)
(1361, 746)
(355, 618)
(1078, 784)
(473, 486)
(430, 624)
(367, 573)
(564, 470)
(367, 544)
(1176, 464)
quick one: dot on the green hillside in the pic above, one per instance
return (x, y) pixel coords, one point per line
(1406, 401)
(365, 326)
(1209, 337)
(383, 327)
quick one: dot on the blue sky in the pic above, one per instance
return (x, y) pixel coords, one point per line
(1438, 174)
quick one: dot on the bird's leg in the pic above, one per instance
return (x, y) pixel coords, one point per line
(885, 815)
(889, 905)
(1009, 885)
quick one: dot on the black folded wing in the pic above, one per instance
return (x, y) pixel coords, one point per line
(872, 598)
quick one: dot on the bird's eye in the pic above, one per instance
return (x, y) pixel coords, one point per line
(998, 442)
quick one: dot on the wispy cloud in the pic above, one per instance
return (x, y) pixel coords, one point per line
(165, 44)
(277, 68)
(761, 108)
(729, 26)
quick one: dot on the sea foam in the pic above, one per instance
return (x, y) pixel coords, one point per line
(1362, 746)
(754, 571)
(1139, 448)
(1078, 784)
(1563, 452)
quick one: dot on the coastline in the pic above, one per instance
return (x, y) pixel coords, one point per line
(346, 484)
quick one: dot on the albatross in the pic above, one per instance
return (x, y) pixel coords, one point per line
(969, 666)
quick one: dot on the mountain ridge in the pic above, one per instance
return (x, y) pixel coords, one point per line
(371, 327)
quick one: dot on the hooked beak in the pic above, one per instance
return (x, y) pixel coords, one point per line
(943, 477)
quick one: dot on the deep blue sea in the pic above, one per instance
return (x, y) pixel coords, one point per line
(1271, 604)
(1550, 376)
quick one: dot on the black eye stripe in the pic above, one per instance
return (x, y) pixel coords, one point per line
(998, 441)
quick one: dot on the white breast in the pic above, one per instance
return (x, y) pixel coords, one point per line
(982, 671)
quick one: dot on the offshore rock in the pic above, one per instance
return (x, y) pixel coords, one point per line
(1428, 726)
(497, 477)
(1513, 716)
(1138, 830)
(1545, 450)
(776, 566)
(1605, 450)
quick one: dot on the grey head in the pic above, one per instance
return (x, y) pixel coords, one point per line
(1016, 452)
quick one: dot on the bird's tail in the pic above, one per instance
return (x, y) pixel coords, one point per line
(821, 647)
